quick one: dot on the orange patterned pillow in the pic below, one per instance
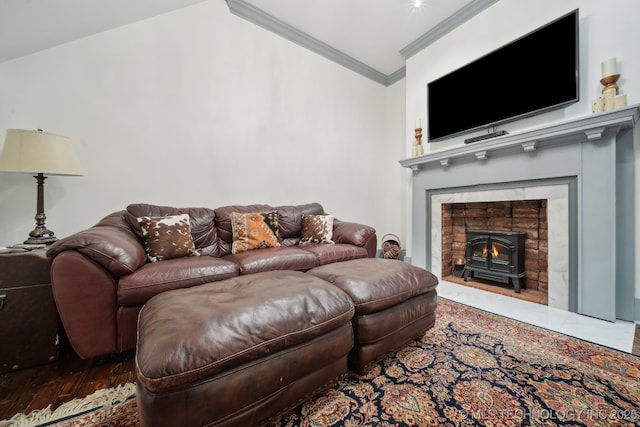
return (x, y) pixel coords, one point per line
(255, 230)
(167, 237)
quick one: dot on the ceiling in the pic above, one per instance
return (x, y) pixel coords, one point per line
(28, 26)
(370, 31)
(363, 34)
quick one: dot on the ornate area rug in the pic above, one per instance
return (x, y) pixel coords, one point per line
(472, 369)
(109, 407)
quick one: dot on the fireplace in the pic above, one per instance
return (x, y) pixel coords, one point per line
(584, 166)
(501, 216)
(495, 255)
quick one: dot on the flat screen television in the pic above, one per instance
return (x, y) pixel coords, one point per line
(533, 74)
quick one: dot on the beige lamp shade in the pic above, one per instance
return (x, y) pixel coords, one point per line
(31, 151)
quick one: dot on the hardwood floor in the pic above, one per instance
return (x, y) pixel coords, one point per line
(70, 378)
(59, 382)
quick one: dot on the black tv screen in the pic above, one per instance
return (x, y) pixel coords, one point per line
(535, 73)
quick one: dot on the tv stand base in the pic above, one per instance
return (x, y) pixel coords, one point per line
(486, 136)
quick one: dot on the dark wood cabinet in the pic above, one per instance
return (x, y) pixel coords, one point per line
(28, 315)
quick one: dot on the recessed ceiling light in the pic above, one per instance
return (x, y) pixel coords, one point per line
(417, 3)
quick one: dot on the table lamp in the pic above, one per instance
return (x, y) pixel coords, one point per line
(30, 151)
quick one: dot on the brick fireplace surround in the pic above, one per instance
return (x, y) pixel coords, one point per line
(528, 216)
(583, 168)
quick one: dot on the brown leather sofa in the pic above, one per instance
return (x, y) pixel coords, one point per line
(101, 276)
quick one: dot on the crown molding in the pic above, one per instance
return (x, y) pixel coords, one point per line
(257, 16)
(449, 24)
(396, 75)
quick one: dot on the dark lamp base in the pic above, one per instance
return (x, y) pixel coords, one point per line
(40, 235)
(40, 240)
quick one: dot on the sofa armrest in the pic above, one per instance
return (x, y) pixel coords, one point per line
(86, 299)
(352, 233)
(115, 249)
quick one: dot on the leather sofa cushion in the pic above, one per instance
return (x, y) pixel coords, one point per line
(327, 254)
(153, 278)
(290, 220)
(351, 233)
(375, 283)
(270, 259)
(189, 335)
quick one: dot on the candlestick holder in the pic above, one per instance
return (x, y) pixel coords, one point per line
(417, 144)
(609, 82)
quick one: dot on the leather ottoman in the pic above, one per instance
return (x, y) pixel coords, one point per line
(238, 351)
(395, 302)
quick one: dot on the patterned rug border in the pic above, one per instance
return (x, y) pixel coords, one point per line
(103, 399)
(539, 327)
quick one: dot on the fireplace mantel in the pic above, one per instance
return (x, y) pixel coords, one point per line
(592, 157)
(590, 128)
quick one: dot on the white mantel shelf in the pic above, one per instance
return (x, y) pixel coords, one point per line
(593, 127)
(584, 167)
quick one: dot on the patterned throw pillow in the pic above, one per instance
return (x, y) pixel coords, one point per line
(256, 230)
(167, 237)
(317, 229)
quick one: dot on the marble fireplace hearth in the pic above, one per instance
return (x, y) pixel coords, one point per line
(584, 167)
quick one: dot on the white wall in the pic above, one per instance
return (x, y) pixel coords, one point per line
(198, 107)
(607, 29)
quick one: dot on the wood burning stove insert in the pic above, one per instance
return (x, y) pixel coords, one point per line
(496, 256)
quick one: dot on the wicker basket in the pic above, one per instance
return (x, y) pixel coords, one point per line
(390, 246)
